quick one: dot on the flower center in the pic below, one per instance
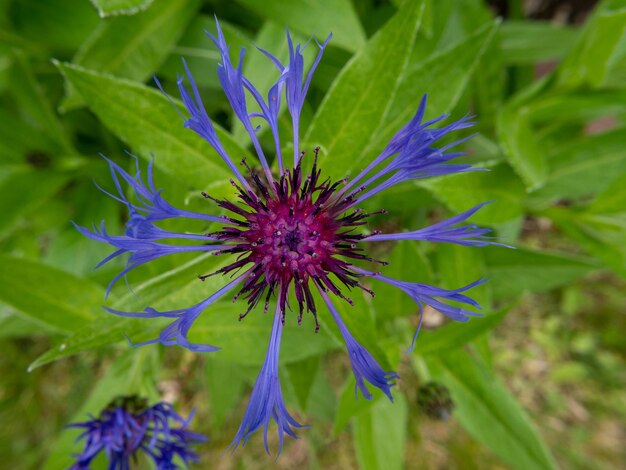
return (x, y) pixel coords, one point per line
(292, 239)
(294, 232)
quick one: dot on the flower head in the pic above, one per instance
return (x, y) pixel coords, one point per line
(127, 427)
(292, 232)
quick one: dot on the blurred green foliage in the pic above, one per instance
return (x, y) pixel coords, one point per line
(550, 99)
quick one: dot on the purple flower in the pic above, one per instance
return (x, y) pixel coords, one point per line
(127, 427)
(295, 232)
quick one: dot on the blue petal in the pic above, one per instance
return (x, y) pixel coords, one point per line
(364, 366)
(444, 231)
(177, 331)
(266, 401)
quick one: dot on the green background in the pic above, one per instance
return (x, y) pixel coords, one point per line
(537, 383)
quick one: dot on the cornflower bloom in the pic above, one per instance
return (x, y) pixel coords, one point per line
(128, 426)
(294, 232)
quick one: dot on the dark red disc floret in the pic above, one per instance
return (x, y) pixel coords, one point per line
(294, 233)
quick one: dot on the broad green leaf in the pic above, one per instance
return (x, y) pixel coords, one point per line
(131, 373)
(584, 167)
(499, 184)
(612, 200)
(525, 122)
(301, 375)
(170, 290)
(48, 295)
(590, 59)
(34, 104)
(447, 23)
(357, 101)
(489, 86)
(519, 140)
(21, 141)
(578, 106)
(144, 119)
(602, 235)
(617, 67)
(12, 325)
(514, 272)
(453, 66)
(19, 202)
(529, 42)
(226, 387)
(380, 435)
(120, 7)
(319, 18)
(322, 402)
(133, 47)
(54, 24)
(489, 412)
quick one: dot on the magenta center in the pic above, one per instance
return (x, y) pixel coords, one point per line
(293, 239)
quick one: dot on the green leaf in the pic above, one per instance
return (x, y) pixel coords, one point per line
(612, 200)
(133, 47)
(131, 373)
(589, 61)
(120, 7)
(578, 106)
(380, 435)
(514, 272)
(48, 295)
(499, 184)
(529, 42)
(583, 167)
(454, 67)
(144, 119)
(172, 289)
(35, 105)
(302, 375)
(525, 124)
(18, 202)
(518, 138)
(54, 24)
(14, 326)
(602, 235)
(356, 102)
(319, 18)
(489, 412)
(322, 402)
(225, 395)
